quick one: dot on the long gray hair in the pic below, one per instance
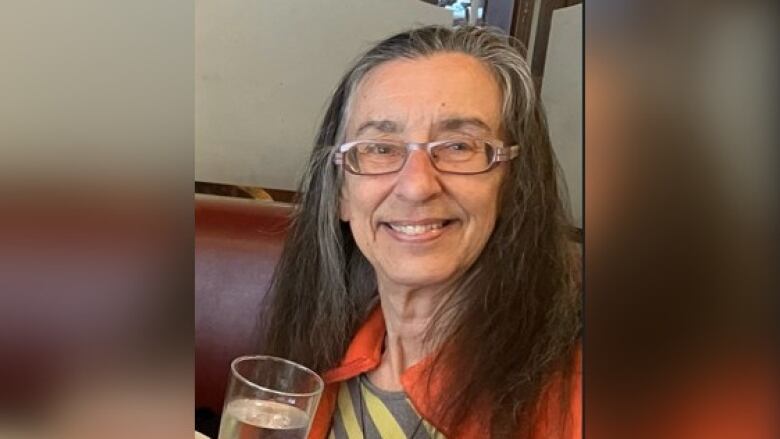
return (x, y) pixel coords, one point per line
(514, 317)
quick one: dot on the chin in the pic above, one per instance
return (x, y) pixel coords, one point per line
(416, 278)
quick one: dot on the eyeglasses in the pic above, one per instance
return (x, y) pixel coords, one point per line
(377, 157)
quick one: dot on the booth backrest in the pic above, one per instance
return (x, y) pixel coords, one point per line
(237, 245)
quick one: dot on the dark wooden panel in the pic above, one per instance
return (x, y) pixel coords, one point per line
(523, 15)
(282, 195)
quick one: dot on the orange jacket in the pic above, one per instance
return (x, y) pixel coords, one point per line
(364, 354)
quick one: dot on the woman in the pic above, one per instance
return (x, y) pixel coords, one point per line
(427, 275)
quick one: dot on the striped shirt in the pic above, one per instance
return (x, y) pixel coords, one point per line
(365, 411)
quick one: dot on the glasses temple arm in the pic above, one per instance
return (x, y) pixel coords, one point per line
(507, 153)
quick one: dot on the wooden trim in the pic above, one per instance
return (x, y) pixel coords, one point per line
(542, 39)
(231, 190)
(522, 18)
(222, 189)
(282, 195)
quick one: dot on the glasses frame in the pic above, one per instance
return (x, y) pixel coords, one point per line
(502, 154)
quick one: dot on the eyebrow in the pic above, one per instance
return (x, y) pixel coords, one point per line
(385, 126)
(457, 123)
(451, 124)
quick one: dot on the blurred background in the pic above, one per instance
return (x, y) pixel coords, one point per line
(96, 252)
(681, 219)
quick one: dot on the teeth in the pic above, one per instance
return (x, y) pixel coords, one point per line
(416, 229)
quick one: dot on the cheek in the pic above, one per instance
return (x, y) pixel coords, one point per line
(484, 211)
(361, 198)
(358, 205)
(351, 200)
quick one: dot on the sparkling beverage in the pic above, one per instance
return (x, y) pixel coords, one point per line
(259, 419)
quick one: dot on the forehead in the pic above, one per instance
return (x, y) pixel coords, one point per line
(420, 91)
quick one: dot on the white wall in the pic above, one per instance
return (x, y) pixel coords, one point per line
(264, 71)
(562, 97)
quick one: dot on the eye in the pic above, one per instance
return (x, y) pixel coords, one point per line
(382, 148)
(459, 146)
(379, 148)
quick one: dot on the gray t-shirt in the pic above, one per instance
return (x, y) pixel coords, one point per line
(365, 411)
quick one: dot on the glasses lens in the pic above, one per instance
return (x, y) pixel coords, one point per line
(376, 157)
(463, 156)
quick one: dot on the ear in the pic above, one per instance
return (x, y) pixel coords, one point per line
(344, 207)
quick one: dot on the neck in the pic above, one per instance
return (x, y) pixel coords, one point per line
(407, 313)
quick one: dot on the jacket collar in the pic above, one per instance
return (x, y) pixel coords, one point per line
(422, 388)
(365, 353)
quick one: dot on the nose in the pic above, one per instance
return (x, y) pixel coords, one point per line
(418, 180)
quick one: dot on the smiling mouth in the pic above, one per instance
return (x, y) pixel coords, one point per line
(417, 229)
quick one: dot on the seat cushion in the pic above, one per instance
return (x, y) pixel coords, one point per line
(237, 245)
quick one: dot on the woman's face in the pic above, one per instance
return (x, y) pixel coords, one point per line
(419, 227)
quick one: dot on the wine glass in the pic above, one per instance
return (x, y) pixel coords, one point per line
(269, 397)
